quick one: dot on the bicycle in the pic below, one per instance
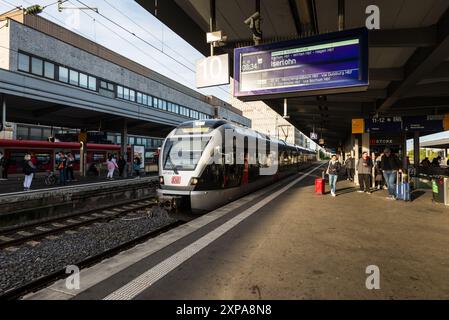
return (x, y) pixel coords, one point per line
(50, 179)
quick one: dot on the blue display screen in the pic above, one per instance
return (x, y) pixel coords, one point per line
(331, 61)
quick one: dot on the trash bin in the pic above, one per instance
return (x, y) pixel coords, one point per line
(438, 189)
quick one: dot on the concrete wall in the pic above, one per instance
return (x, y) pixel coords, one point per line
(4, 45)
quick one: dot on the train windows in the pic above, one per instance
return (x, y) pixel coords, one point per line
(120, 92)
(74, 77)
(83, 80)
(49, 70)
(37, 66)
(183, 154)
(22, 132)
(24, 62)
(92, 83)
(63, 74)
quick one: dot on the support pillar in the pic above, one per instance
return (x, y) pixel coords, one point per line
(124, 145)
(404, 151)
(416, 158)
(365, 142)
(356, 159)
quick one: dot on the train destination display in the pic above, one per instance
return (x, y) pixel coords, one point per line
(331, 63)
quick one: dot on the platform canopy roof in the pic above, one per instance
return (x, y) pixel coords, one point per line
(408, 56)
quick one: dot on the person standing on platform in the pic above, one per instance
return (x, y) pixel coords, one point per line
(333, 169)
(121, 165)
(28, 169)
(5, 167)
(136, 166)
(62, 167)
(69, 172)
(2, 165)
(349, 165)
(111, 164)
(390, 166)
(364, 168)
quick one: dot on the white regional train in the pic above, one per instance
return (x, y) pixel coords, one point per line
(196, 182)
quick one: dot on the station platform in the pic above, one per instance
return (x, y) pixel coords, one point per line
(285, 242)
(25, 207)
(15, 182)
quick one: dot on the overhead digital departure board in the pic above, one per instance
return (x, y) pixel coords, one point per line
(330, 63)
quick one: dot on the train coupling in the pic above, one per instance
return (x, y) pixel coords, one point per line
(170, 203)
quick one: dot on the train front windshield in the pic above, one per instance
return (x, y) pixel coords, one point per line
(183, 153)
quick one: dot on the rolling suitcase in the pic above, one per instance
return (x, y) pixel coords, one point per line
(320, 185)
(402, 187)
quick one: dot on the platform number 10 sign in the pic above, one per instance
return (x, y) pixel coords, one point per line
(212, 71)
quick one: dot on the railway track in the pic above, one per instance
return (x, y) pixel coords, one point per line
(31, 233)
(44, 281)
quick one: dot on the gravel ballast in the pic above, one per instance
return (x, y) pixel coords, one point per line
(30, 261)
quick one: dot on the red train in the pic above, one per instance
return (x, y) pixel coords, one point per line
(45, 152)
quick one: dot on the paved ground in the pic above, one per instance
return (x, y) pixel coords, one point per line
(306, 246)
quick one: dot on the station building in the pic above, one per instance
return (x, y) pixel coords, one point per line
(51, 76)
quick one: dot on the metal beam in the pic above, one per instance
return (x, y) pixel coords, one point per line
(386, 74)
(421, 63)
(295, 16)
(407, 37)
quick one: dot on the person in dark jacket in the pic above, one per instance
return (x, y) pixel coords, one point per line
(121, 165)
(390, 166)
(364, 168)
(2, 165)
(333, 169)
(350, 166)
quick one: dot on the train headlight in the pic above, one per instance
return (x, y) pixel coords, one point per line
(161, 179)
(194, 181)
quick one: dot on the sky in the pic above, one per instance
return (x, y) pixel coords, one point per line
(161, 41)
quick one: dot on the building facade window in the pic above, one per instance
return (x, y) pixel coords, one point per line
(24, 62)
(63, 74)
(37, 66)
(49, 70)
(44, 68)
(92, 83)
(83, 80)
(74, 77)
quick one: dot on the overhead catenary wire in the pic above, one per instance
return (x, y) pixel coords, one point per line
(133, 45)
(164, 45)
(145, 41)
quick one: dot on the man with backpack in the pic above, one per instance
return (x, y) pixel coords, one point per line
(61, 164)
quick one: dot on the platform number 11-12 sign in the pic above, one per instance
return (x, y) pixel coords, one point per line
(212, 71)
